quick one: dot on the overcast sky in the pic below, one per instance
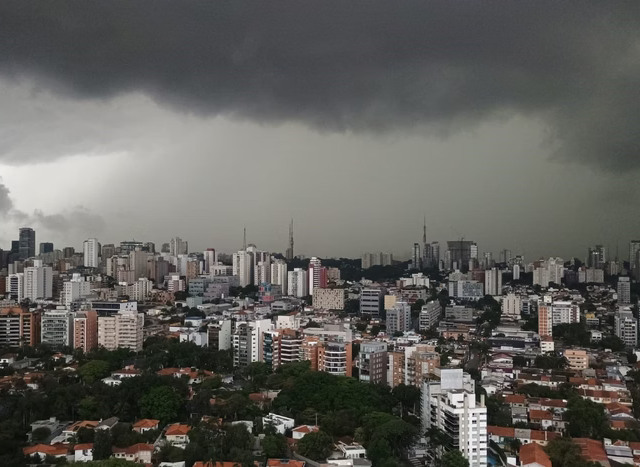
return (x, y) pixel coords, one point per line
(509, 123)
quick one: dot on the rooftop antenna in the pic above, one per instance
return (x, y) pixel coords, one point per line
(244, 241)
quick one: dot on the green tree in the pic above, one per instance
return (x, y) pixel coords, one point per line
(408, 396)
(453, 458)
(41, 434)
(563, 452)
(586, 419)
(316, 446)
(274, 445)
(102, 444)
(162, 403)
(94, 370)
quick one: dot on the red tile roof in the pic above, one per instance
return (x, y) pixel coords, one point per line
(48, 449)
(284, 463)
(177, 429)
(515, 399)
(533, 453)
(146, 423)
(134, 449)
(592, 450)
(503, 431)
(540, 415)
(83, 447)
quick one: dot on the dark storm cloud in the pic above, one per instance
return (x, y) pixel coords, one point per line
(355, 66)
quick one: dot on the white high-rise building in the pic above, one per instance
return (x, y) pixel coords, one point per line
(38, 281)
(15, 286)
(279, 275)
(399, 318)
(449, 404)
(91, 250)
(511, 306)
(297, 283)
(516, 272)
(626, 326)
(493, 281)
(75, 289)
(315, 265)
(243, 267)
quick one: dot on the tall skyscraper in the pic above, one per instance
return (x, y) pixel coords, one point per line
(624, 291)
(91, 250)
(416, 257)
(597, 257)
(289, 253)
(461, 252)
(209, 259)
(177, 246)
(27, 248)
(634, 258)
(46, 247)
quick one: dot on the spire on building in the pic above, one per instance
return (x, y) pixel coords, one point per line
(244, 240)
(289, 254)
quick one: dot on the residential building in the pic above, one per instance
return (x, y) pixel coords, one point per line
(376, 259)
(85, 330)
(91, 251)
(297, 283)
(395, 368)
(564, 312)
(511, 306)
(371, 301)
(399, 318)
(19, 327)
(177, 246)
(329, 299)
(578, 359)
(372, 362)
(626, 326)
(624, 291)
(15, 286)
(248, 341)
(75, 289)
(545, 319)
(121, 330)
(335, 358)
(38, 281)
(57, 328)
(279, 275)
(449, 404)
(219, 334)
(317, 275)
(493, 281)
(429, 315)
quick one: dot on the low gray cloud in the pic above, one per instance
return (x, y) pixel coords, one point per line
(6, 203)
(77, 221)
(350, 66)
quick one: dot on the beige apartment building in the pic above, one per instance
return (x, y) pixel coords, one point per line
(578, 359)
(329, 299)
(123, 329)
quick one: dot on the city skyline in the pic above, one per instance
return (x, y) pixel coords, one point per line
(493, 133)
